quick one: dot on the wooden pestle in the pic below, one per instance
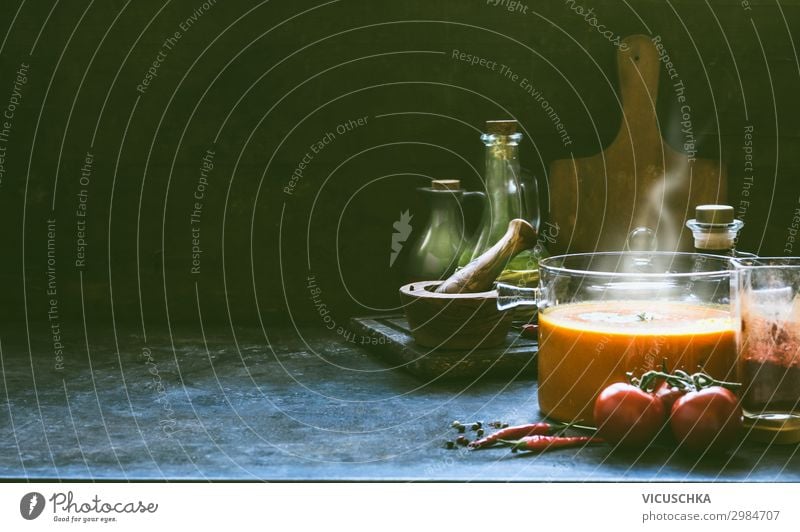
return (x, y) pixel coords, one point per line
(478, 275)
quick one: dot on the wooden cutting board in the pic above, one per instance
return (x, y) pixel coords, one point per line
(639, 180)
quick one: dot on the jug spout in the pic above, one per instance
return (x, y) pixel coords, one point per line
(510, 296)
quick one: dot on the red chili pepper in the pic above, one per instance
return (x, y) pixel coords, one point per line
(514, 433)
(540, 443)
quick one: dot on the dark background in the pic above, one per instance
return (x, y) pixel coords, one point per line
(258, 83)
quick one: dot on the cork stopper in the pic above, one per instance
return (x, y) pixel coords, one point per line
(446, 184)
(714, 214)
(501, 127)
(714, 228)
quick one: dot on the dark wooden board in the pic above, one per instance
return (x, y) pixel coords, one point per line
(391, 340)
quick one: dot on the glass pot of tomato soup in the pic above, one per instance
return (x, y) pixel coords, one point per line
(602, 315)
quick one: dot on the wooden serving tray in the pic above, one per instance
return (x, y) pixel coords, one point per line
(391, 340)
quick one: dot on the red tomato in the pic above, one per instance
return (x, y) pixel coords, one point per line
(668, 395)
(707, 420)
(626, 415)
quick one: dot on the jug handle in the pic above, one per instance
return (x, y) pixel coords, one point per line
(530, 204)
(476, 194)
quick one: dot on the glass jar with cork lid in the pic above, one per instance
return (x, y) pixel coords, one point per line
(715, 231)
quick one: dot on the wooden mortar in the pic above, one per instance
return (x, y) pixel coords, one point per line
(454, 321)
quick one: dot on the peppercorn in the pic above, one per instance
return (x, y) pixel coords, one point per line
(460, 427)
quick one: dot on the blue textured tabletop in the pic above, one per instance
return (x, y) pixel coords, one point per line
(278, 407)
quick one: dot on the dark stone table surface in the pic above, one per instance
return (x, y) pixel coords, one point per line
(278, 406)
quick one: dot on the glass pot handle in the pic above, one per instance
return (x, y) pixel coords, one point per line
(510, 296)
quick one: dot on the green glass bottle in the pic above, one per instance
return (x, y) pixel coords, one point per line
(509, 195)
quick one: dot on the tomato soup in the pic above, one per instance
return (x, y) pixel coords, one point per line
(583, 347)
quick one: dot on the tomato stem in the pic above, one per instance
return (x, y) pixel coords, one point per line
(682, 380)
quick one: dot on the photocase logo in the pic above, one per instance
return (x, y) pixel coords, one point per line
(31, 505)
(402, 228)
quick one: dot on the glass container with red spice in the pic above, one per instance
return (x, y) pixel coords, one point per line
(766, 297)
